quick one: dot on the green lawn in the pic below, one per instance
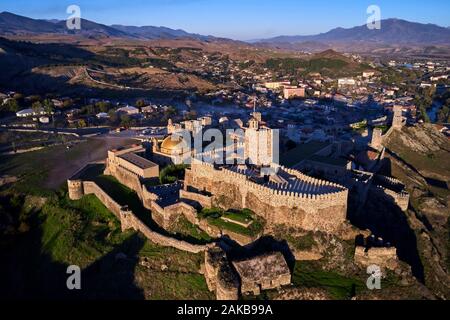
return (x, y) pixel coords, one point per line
(79, 232)
(183, 227)
(213, 216)
(340, 287)
(244, 216)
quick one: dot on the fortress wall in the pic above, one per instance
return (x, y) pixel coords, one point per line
(125, 177)
(211, 230)
(204, 201)
(233, 191)
(148, 198)
(159, 215)
(130, 221)
(382, 257)
(390, 180)
(186, 210)
(401, 199)
(108, 202)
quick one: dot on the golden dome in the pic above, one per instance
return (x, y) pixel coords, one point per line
(173, 144)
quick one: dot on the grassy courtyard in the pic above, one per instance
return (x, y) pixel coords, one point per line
(214, 217)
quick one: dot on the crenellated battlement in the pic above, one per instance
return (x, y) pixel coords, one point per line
(288, 197)
(312, 192)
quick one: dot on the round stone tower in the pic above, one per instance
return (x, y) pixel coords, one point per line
(76, 190)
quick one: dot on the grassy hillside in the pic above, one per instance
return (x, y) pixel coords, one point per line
(37, 249)
(419, 157)
(43, 232)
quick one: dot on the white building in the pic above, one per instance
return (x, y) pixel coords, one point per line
(346, 82)
(102, 115)
(30, 112)
(128, 110)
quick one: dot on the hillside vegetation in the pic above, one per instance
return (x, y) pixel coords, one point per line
(419, 156)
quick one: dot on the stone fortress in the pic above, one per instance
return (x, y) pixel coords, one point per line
(287, 197)
(280, 196)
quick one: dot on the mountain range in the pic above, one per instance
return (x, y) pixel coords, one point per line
(392, 32)
(12, 24)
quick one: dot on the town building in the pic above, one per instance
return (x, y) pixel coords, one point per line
(290, 93)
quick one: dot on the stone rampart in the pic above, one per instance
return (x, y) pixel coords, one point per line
(231, 190)
(92, 188)
(401, 198)
(130, 221)
(382, 257)
(125, 177)
(204, 201)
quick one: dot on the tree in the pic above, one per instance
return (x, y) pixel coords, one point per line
(170, 112)
(140, 104)
(35, 98)
(36, 106)
(49, 106)
(423, 114)
(102, 106)
(12, 105)
(81, 123)
(125, 120)
(68, 103)
(443, 114)
(192, 115)
(112, 116)
(89, 109)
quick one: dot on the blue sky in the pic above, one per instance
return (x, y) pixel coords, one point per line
(237, 19)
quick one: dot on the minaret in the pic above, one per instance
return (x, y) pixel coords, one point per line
(170, 127)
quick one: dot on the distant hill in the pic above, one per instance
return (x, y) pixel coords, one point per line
(393, 31)
(12, 24)
(150, 32)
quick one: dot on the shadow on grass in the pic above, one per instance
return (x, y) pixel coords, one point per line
(27, 271)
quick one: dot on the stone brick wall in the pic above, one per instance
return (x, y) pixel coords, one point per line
(401, 199)
(165, 217)
(125, 177)
(382, 257)
(266, 284)
(108, 202)
(232, 190)
(130, 221)
(204, 201)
